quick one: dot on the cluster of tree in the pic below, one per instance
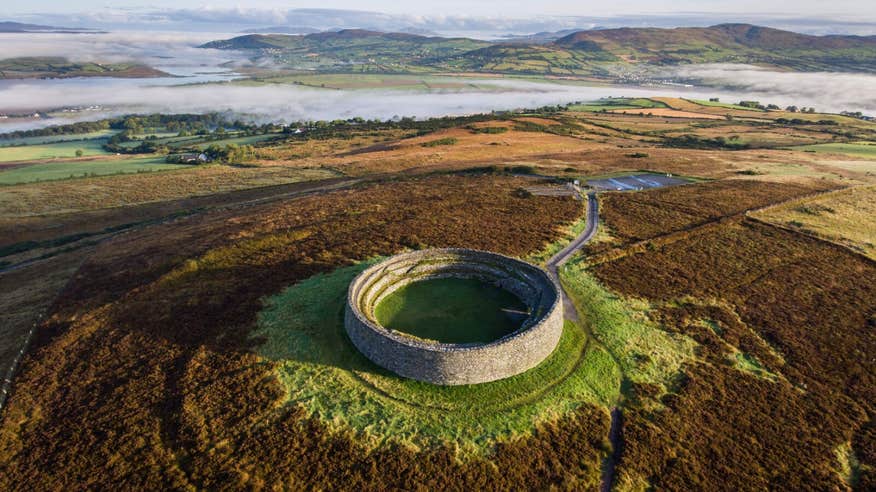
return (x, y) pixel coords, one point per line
(857, 114)
(149, 145)
(695, 142)
(71, 129)
(795, 109)
(798, 121)
(231, 153)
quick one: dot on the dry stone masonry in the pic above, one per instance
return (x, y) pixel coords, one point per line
(454, 364)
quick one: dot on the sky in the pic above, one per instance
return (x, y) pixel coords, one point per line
(486, 19)
(847, 9)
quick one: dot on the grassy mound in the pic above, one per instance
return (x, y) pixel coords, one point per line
(451, 310)
(302, 330)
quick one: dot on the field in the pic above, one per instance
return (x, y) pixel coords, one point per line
(52, 151)
(847, 217)
(92, 193)
(84, 168)
(189, 324)
(866, 150)
(610, 104)
(55, 138)
(719, 104)
(451, 311)
(640, 216)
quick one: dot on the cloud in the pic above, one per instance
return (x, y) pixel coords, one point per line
(826, 91)
(236, 19)
(288, 103)
(163, 49)
(284, 103)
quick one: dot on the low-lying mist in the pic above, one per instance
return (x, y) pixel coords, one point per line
(177, 53)
(826, 91)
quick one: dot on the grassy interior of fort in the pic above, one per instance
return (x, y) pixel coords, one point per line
(452, 310)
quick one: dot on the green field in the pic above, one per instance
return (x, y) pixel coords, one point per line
(78, 169)
(857, 149)
(612, 103)
(451, 310)
(52, 151)
(717, 104)
(6, 142)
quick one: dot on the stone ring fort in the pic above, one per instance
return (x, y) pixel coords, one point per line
(456, 363)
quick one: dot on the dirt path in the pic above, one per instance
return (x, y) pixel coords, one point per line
(566, 253)
(571, 313)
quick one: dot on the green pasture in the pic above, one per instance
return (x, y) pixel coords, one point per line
(718, 104)
(451, 310)
(102, 134)
(79, 169)
(52, 151)
(857, 149)
(613, 103)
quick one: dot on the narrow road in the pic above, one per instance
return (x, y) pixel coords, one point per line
(571, 313)
(566, 253)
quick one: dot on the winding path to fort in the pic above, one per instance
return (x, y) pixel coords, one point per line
(571, 313)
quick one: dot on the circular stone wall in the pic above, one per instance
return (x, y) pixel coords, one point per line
(452, 364)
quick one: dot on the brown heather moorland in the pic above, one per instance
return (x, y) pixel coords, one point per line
(143, 377)
(638, 216)
(801, 312)
(145, 374)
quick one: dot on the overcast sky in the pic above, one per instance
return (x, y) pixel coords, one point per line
(445, 16)
(509, 8)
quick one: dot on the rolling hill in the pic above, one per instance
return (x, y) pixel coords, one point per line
(579, 53)
(350, 47)
(59, 68)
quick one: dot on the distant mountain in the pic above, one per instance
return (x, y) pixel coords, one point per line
(731, 43)
(353, 47)
(281, 30)
(18, 27)
(539, 37)
(589, 52)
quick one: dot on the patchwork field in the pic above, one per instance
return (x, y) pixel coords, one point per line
(723, 336)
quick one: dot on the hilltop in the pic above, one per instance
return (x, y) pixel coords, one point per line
(578, 53)
(59, 68)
